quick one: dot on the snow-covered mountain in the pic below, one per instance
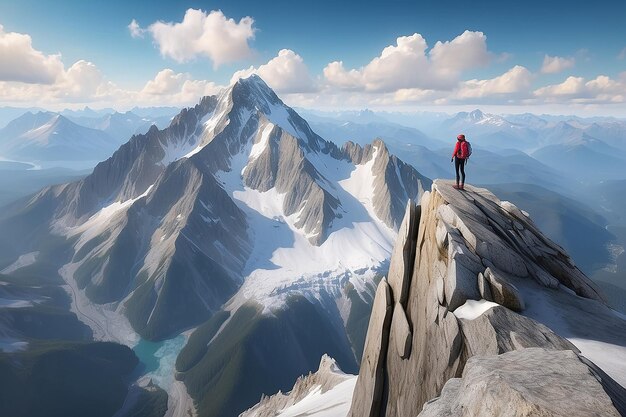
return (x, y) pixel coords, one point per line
(477, 118)
(46, 136)
(238, 218)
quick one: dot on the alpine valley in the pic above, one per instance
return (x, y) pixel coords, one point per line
(231, 250)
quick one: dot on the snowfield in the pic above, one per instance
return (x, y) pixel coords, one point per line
(283, 259)
(332, 403)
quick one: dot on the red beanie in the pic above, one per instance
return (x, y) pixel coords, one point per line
(461, 136)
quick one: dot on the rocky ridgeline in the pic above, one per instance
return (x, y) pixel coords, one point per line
(456, 328)
(327, 377)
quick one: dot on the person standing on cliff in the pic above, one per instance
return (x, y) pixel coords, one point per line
(462, 151)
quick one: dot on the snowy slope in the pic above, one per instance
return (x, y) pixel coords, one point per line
(284, 259)
(324, 393)
(332, 403)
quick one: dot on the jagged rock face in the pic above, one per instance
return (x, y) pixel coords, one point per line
(129, 171)
(528, 382)
(283, 165)
(168, 228)
(483, 281)
(392, 176)
(369, 389)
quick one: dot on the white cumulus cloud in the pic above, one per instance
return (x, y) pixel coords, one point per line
(286, 73)
(601, 89)
(19, 61)
(83, 80)
(516, 81)
(165, 82)
(556, 64)
(337, 75)
(200, 34)
(466, 51)
(177, 87)
(408, 65)
(570, 87)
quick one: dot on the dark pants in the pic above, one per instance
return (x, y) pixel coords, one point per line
(459, 165)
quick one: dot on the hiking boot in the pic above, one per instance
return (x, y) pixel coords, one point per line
(462, 187)
(456, 186)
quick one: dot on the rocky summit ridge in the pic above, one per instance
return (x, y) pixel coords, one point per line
(482, 315)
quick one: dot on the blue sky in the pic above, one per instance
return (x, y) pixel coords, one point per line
(587, 38)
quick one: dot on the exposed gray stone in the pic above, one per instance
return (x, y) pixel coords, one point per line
(401, 332)
(445, 213)
(403, 255)
(460, 284)
(500, 330)
(439, 284)
(528, 382)
(484, 288)
(366, 400)
(502, 257)
(493, 211)
(458, 250)
(437, 342)
(442, 236)
(542, 277)
(461, 202)
(513, 210)
(503, 290)
(569, 276)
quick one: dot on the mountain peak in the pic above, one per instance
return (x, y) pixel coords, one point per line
(253, 92)
(255, 84)
(476, 115)
(231, 116)
(252, 79)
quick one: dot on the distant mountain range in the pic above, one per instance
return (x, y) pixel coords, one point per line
(589, 149)
(73, 139)
(121, 126)
(48, 136)
(581, 149)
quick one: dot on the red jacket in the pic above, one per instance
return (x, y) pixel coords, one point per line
(460, 150)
